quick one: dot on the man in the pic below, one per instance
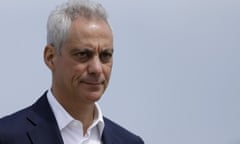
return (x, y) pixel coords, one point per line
(79, 54)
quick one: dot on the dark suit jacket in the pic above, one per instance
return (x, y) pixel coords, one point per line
(37, 125)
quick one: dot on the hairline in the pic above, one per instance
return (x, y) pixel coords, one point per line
(61, 19)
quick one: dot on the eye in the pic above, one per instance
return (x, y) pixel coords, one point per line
(106, 56)
(82, 55)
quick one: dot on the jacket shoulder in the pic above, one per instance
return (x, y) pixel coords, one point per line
(15, 120)
(14, 127)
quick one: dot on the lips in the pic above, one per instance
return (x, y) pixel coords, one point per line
(93, 82)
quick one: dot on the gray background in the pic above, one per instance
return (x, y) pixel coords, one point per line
(176, 74)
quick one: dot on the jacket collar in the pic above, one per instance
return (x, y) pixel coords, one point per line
(107, 137)
(45, 128)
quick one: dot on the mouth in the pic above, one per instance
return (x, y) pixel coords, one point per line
(93, 83)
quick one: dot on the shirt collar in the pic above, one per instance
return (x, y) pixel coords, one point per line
(64, 118)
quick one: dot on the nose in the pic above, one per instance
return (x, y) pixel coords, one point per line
(95, 66)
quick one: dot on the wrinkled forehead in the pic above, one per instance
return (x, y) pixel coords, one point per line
(89, 32)
(83, 24)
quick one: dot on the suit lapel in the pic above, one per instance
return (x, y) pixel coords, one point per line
(108, 136)
(45, 129)
(44, 134)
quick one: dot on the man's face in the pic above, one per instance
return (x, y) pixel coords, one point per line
(82, 71)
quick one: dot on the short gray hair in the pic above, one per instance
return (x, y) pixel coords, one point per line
(59, 20)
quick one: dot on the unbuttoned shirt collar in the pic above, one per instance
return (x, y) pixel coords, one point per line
(70, 126)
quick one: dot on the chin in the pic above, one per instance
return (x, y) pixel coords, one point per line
(94, 97)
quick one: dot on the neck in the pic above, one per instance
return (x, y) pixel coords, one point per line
(85, 114)
(78, 110)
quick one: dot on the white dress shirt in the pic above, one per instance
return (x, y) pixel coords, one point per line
(72, 129)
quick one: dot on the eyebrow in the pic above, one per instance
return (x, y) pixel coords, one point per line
(73, 50)
(108, 49)
(80, 49)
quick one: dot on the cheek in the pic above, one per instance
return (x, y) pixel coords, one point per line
(69, 71)
(79, 71)
(107, 72)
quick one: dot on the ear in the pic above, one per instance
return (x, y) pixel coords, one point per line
(50, 54)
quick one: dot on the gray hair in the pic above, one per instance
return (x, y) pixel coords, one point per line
(59, 20)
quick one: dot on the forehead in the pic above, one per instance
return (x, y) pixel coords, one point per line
(90, 32)
(91, 26)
